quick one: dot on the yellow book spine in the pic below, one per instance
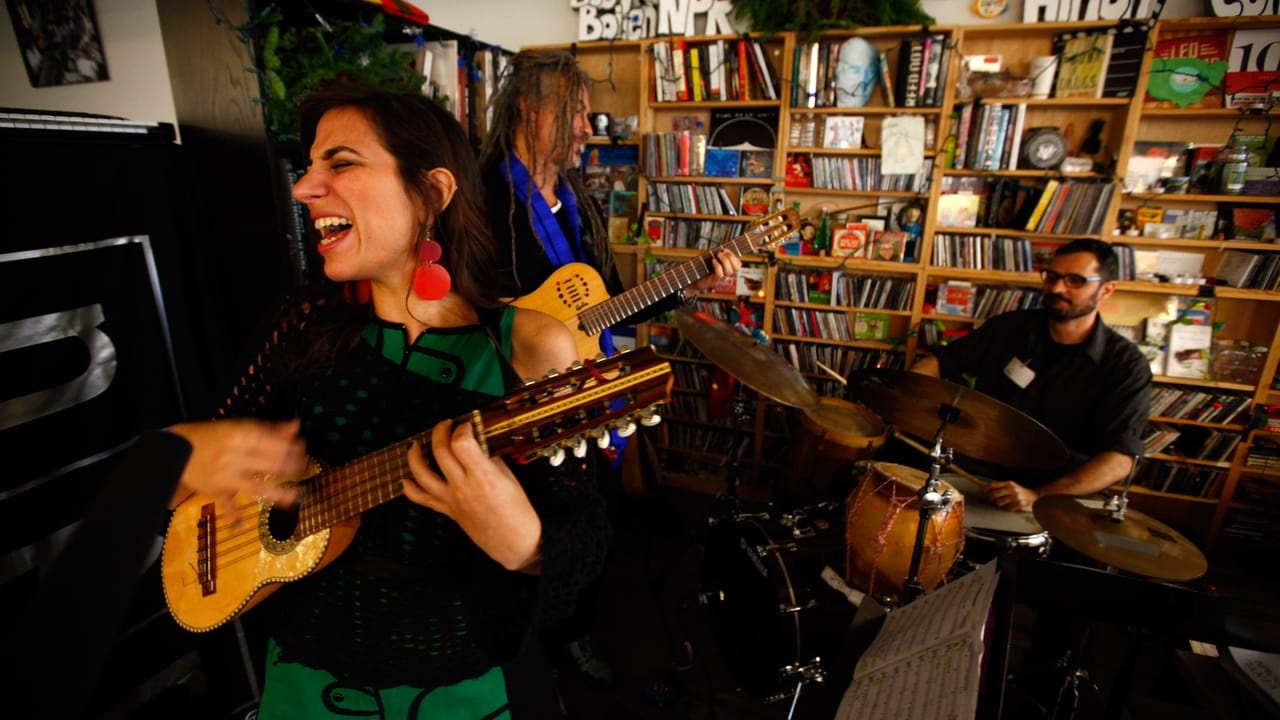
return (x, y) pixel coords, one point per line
(1050, 188)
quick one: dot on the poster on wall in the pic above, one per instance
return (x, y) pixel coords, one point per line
(59, 41)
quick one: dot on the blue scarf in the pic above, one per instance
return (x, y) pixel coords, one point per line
(559, 249)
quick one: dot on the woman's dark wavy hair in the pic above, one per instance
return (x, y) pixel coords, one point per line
(422, 136)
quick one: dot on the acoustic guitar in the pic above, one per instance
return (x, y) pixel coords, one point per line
(212, 571)
(575, 293)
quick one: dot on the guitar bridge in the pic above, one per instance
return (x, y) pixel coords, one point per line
(207, 549)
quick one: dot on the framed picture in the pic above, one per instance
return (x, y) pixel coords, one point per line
(875, 223)
(60, 42)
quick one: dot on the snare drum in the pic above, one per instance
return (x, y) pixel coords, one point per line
(991, 532)
(831, 436)
(773, 616)
(880, 531)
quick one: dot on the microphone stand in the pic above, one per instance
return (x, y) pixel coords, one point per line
(930, 500)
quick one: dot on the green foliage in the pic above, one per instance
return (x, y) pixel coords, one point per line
(811, 16)
(292, 62)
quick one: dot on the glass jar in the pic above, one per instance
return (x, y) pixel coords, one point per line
(1231, 165)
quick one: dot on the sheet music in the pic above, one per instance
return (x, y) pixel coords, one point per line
(1261, 667)
(926, 661)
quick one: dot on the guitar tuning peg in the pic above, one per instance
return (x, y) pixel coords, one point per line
(600, 357)
(580, 447)
(530, 381)
(650, 417)
(603, 441)
(626, 429)
(575, 365)
(552, 373)
(554, 455)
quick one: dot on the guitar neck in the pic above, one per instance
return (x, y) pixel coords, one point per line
(345, 492)
(619, 307)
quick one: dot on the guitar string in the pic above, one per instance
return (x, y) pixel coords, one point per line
(348, 489)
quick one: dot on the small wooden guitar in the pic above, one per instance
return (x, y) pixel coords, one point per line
(212, 572)
(575, 293)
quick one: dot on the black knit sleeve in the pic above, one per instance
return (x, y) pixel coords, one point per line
(575, 532)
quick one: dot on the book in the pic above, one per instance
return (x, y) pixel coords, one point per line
(1188, 352)
(907, 79)
(1127, 48)
(1255, 224)
(850, 240)
(1236, 268)
(955, 298)
(722, 162)
(870, 326)
(958, 210)
(927, 654)
(1082, 67)
(756, 164)
(799, 171)
(933, 87)
(890, 245)
(743, 128)
(842, 132)
(1253, 70)
(1188, 71)
(1042, 204)
(679, 76)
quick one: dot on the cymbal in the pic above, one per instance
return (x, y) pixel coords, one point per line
(983, 428)
(757, 365)
(1138, 544)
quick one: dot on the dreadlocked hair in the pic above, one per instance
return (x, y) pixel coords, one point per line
(552, 82)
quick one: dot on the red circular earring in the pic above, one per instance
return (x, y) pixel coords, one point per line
(430, 280)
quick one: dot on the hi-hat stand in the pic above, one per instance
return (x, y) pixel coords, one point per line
(931, 500)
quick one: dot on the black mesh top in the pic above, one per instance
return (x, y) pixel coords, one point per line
(412, 601)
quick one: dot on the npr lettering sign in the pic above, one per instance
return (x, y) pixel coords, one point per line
(637, 19)
(1070, 10)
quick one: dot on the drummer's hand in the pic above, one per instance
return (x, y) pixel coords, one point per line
(1008, 495)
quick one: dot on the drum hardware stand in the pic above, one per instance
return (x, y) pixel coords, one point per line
(807, 672)
(739, 412)
(1117, 504)
(930, 500)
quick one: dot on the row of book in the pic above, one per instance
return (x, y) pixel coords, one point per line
(1263, 455)
(1193, 442)
(983, 252)
(835, 287)
(1072, 207)
(959, 297)
(843, 360)
(839, 172)
(690, 376)
(803, 322)
(1258, 271)
(693, 234)
(1192, 480)
(735, 69)
(690, 198)
(988, 135)
(1182, 403)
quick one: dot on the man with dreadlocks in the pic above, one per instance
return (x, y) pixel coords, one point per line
(542, 220)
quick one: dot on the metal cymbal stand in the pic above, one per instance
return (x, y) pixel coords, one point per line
(930, 500)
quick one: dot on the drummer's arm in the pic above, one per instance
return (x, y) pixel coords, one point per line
(1096, 474)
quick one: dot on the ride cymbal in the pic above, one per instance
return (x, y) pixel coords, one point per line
(757, 365)
(979, 427)
(1138, 544)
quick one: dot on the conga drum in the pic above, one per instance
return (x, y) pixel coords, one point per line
(830, 437)
(883, 514)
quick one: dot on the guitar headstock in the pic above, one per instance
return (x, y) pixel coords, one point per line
(559, 412)
(770, 230)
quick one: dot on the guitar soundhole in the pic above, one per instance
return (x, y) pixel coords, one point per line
(277, 526)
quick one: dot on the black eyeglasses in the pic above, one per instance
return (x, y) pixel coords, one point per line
(1071, 280)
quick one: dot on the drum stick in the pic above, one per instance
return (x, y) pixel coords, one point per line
(953, 468)
(832, 373)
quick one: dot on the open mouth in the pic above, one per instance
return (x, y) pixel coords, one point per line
(329, 227)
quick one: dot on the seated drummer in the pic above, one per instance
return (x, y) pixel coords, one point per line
(1063, 366)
